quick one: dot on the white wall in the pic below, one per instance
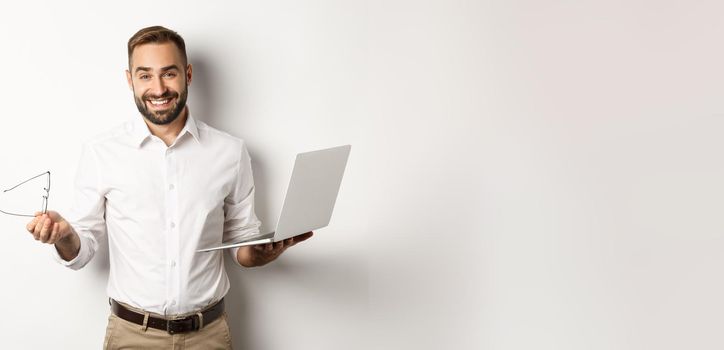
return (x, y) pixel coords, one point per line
(524, 174)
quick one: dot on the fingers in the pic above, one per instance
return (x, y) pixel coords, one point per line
(46, 227)
(270, 248)
(31, 225)
(55, 216)
(54, 233)
(277, 248)
(303, 237)
(45, 230)
(38, 227)
(294, 240)
(258, 247)
(264, 248)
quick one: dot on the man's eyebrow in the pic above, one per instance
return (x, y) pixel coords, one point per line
(163, 69)
(173, 66)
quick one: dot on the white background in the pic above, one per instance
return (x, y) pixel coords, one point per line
(524, 174)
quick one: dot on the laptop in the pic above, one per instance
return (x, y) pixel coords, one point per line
(310, 197)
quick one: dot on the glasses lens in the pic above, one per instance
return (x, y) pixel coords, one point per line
(44, 204)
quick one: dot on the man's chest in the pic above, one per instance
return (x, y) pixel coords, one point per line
(181, 180)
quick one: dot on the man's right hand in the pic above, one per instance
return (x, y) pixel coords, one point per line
(49, 228)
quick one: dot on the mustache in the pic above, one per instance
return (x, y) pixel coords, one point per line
(167, 94)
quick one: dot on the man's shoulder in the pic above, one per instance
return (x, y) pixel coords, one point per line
(217, 136)
(120, 131)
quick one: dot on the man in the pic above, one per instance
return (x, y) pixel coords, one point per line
(162, 187)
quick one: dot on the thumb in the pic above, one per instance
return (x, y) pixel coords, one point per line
(55, 216)
(303, 237)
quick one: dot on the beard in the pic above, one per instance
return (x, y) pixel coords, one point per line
(162, 117)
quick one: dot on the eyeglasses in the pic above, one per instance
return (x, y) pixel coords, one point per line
(44, 206)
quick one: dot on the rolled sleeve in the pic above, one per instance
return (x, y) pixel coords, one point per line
(87, 216)
(84, 255)
(239, 217)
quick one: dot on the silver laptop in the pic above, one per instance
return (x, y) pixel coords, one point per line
(310, 197)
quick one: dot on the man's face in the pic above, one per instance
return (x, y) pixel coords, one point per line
(159, 81)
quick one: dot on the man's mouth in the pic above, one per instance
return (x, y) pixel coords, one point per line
(160, 103)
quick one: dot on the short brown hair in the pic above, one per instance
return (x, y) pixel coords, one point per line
(156, 34)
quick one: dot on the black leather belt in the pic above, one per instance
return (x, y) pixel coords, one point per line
(172, 326)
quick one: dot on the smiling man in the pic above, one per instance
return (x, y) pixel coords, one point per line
(161, 187)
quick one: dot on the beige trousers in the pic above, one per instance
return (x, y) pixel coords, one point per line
(121, 334)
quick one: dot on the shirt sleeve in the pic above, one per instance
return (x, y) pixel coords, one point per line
(87, 216)
(239, 217)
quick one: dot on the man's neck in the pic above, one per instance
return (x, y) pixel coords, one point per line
(169, 132)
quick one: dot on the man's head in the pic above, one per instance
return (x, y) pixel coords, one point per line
(158, 73)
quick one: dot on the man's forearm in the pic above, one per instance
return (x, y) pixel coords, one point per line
(68, 247)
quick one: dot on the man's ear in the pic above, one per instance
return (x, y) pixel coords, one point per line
(129, 79)
(189, 74)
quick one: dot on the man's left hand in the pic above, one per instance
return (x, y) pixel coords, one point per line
(262, 254)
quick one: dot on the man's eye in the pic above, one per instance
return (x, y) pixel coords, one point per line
(170, 75)
(144, 77)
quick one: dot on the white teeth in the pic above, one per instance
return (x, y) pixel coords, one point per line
(159, 102)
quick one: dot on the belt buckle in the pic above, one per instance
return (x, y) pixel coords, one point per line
(178, 325)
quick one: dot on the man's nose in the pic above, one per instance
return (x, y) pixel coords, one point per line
(158, 87)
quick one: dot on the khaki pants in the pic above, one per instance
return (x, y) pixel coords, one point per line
(121, 334)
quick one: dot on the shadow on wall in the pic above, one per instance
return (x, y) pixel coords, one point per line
(205, 99)
(333, 279)
(340, 280)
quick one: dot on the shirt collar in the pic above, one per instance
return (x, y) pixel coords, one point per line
(140, 131)
(191, 128)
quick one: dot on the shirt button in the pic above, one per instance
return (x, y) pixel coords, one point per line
(171, 187)
(173, 263)
(173, 302)
(173, 225)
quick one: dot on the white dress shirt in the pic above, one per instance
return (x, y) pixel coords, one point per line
(159, 204)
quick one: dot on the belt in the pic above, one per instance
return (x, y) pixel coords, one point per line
(172, 326)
